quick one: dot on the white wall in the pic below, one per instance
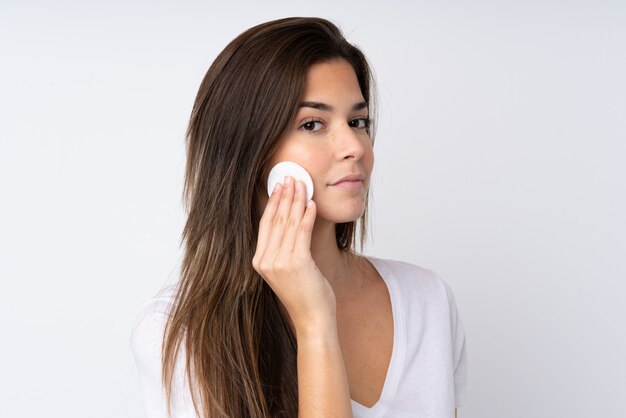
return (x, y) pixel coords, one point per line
(500, 165)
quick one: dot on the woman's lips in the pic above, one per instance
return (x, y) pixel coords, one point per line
(356, 184)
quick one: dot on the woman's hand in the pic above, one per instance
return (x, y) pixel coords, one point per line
(283, 258)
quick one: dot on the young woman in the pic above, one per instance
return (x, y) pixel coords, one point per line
(275, 313)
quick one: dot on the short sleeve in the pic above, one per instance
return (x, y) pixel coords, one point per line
(459, 351)
(146, 344)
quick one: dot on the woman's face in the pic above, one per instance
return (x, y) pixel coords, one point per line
(329, 139)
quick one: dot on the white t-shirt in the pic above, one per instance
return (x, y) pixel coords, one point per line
(428, 368)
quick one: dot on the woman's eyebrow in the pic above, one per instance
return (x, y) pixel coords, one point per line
(328, 108)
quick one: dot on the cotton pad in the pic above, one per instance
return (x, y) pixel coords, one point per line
(288, 168)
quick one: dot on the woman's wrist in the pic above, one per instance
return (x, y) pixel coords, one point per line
(320, 333)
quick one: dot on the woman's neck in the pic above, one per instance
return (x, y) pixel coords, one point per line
(337, 266)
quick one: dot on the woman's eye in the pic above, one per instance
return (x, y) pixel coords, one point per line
(360, 123)
(312, 125)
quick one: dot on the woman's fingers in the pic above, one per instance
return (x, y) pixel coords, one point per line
(285, 229)
(280, 220)
(303, 238)
(295, 218)
(265, 224)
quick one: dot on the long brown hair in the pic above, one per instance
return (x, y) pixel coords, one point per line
(226, 322)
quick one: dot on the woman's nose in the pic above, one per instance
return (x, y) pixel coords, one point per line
(349, 143)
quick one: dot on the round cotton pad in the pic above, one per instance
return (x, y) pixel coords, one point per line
(288, 168)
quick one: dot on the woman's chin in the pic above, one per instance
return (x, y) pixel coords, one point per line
(340, 215)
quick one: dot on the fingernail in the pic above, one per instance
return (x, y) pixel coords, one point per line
(287, 181)
(276, 187)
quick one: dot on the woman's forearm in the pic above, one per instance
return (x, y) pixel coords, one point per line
(323, 389)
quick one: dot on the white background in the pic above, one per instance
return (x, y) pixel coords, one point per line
(500, 165)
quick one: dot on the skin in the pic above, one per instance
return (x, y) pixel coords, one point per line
(296, 252)
(329, 144)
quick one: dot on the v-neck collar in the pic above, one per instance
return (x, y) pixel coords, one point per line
(397, 354)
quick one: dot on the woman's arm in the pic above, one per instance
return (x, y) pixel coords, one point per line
(322, 380)
(283, 258)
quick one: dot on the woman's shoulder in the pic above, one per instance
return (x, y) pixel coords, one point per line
(411, 278)
(147, 334)
(404, 271)
(146, 346)
(158, 307)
